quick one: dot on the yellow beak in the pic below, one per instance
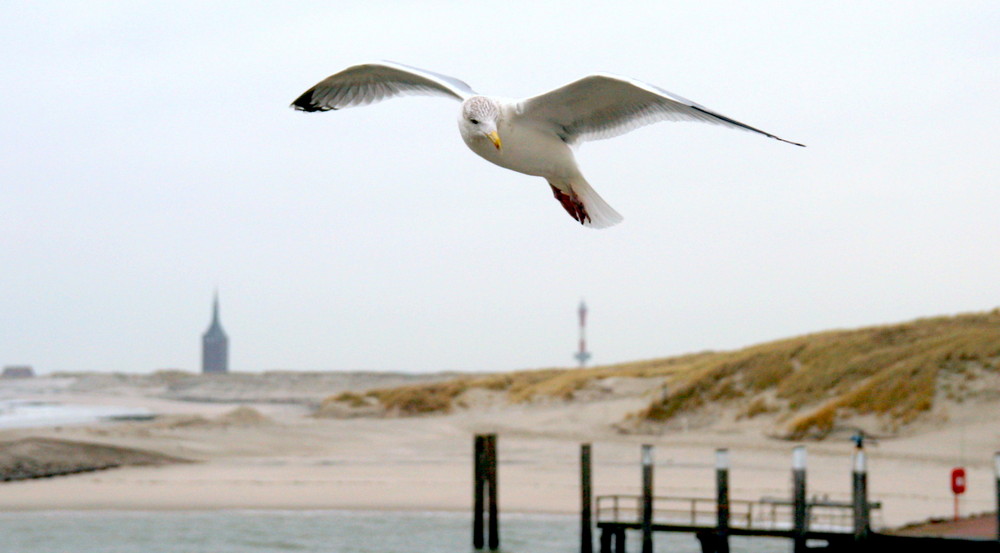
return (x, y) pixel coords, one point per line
(495, 138)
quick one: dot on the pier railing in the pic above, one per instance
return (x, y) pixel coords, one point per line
(764, 514)
(843, 526)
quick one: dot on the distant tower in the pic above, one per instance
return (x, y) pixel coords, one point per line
(583, 355)
(215, 345)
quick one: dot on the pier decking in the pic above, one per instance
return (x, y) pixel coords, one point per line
(773, 515)
(828, 522)
(811, 524)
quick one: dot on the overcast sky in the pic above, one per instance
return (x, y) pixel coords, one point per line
(149, 156)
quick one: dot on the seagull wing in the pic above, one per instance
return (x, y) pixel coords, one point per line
(368, 83)
(604, 106)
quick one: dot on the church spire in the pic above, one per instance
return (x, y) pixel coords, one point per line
(215, 308)
(215, 343)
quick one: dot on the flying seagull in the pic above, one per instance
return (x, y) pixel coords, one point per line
(535, 136)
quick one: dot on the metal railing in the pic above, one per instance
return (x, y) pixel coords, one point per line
(763, 514)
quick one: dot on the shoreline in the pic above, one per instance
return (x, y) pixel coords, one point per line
(527, 486)
(277, 457)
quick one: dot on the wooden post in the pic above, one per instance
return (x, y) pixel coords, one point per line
(620, 540)
(722, 499)
(710, 542)
(478, 484)
(491, 480)
(996, 474)
(859, 496)
(606, 540)
(647, 499)
(800, 524)
(586, 522)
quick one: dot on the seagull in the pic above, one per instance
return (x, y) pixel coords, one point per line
(535, 136)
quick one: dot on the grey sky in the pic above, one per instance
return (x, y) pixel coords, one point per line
(149, 156)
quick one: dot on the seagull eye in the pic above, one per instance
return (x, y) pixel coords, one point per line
(474, 121)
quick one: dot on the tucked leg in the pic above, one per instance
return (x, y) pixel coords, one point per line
(571, 204)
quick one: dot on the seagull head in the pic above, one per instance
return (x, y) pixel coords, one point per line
(479, 119)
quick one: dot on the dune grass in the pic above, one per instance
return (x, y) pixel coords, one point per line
(518, 386)
(890, 371)
(817, 379)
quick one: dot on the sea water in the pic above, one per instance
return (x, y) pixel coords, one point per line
(16, 413)
(331, 531)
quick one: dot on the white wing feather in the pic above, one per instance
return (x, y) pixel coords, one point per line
(368, 83)
(604, 106)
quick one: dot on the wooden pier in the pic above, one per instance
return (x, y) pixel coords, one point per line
(816, 524)
(829, 522)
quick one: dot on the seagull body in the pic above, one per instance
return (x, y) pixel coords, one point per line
(535, 136)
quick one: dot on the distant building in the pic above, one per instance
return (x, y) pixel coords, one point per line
(215, 345)
(582, 355)
(18, 371)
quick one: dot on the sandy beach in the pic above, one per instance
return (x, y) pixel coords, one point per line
(282, 458)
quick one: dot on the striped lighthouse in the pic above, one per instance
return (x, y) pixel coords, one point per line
(582, 355)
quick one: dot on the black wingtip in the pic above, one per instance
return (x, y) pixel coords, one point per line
(745, 126)
(305, 103)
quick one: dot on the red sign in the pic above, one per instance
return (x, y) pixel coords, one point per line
(958, 481)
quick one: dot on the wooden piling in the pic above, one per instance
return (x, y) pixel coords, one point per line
(586, 501)
(606, 534)
(996, 475)
(484, 478)
(620, 540)
(478, 486)
(647, 500)
(800, 513)
(722, 500)
(491, 481)
(859, 497)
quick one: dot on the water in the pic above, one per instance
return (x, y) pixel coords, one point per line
(306, 531)
(29, 414)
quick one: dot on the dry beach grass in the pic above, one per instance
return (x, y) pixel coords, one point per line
(928, 389)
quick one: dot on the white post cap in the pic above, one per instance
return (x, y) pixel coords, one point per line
(860, 462)
(647, 455)
(722, 459)
(799, 457)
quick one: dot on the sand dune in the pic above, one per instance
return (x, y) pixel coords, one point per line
(270, 455)
(47, 457)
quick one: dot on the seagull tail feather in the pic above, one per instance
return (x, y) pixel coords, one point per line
(584, 204)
